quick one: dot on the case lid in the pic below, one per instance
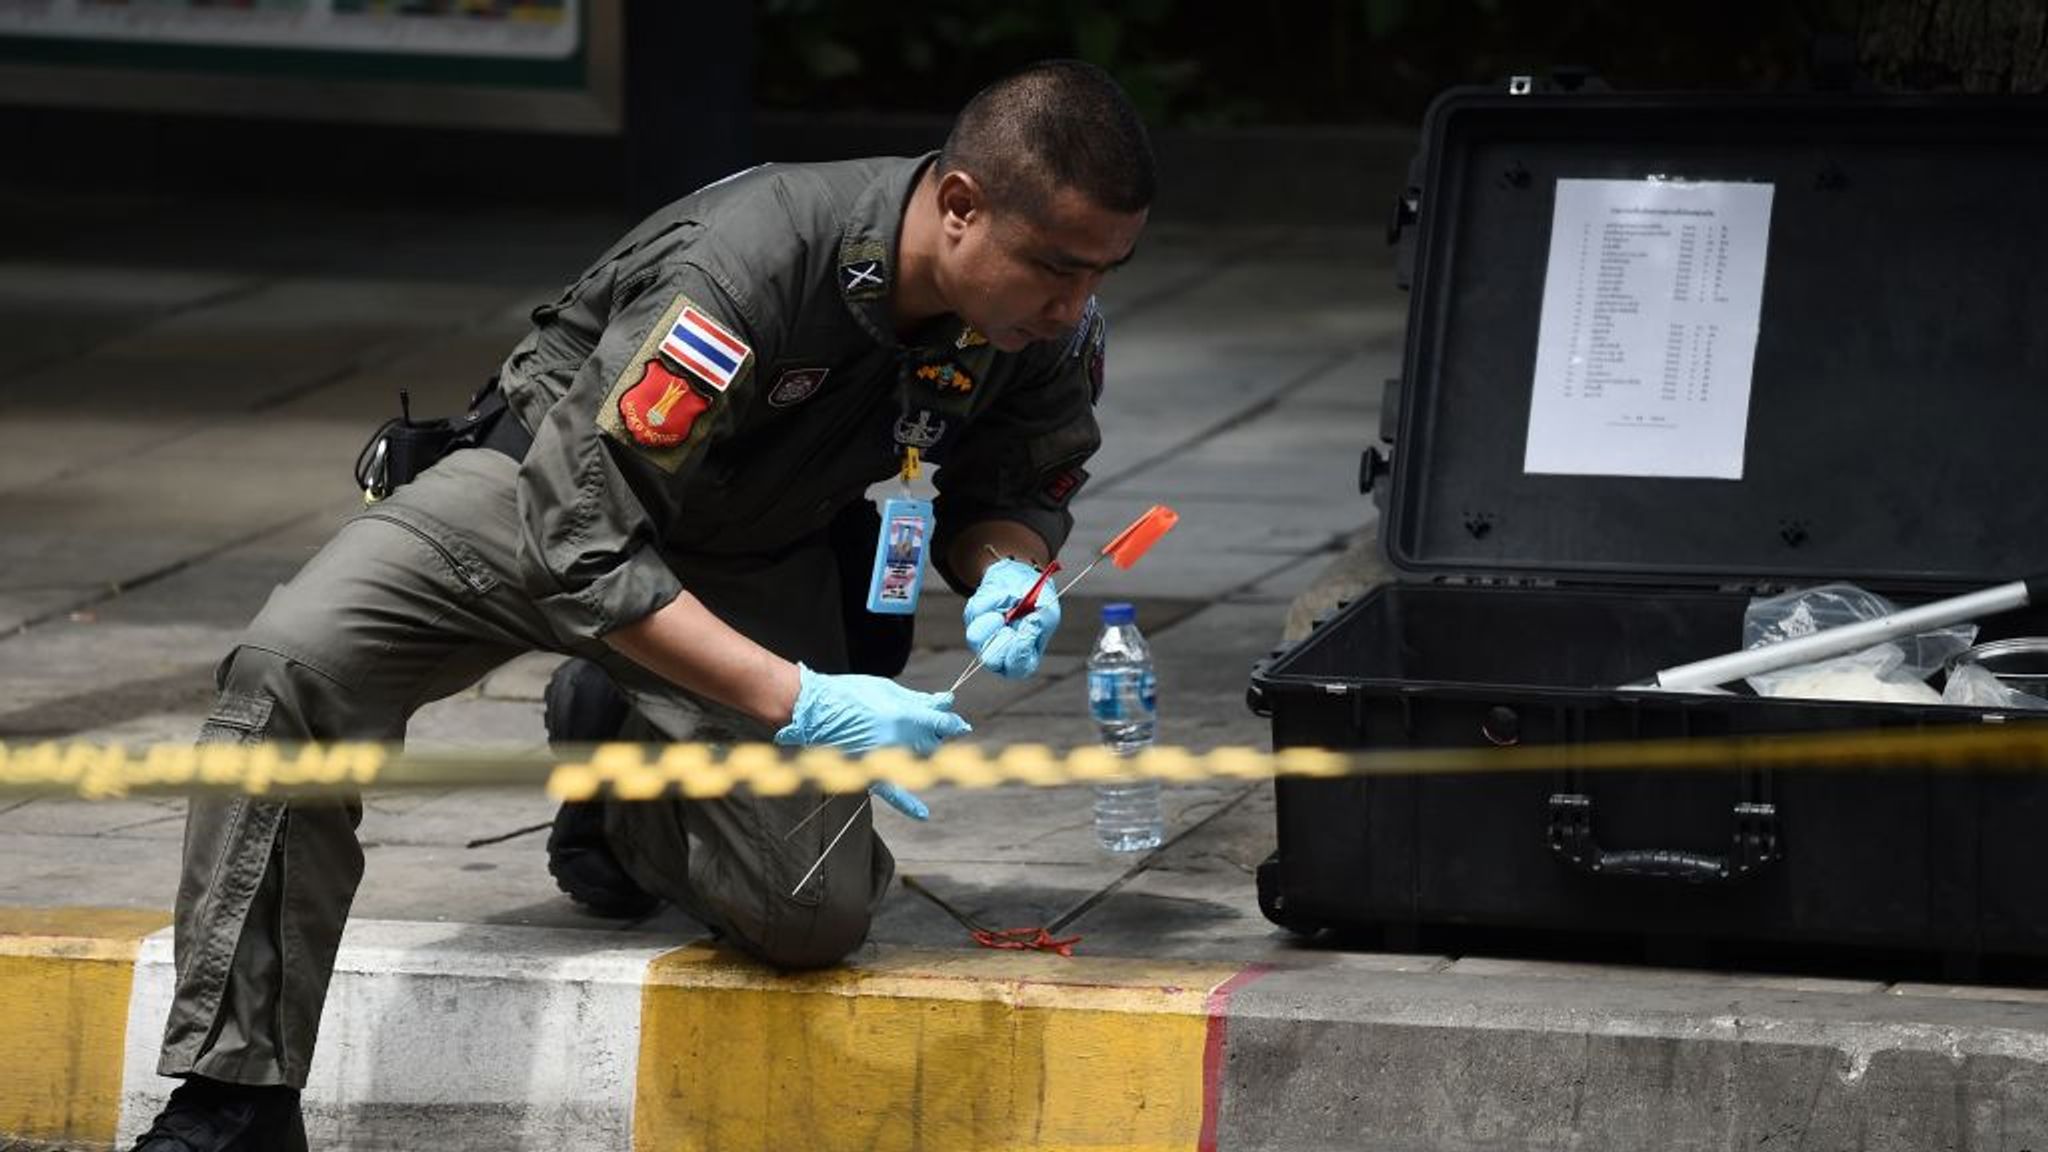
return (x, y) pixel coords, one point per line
(1898, 398)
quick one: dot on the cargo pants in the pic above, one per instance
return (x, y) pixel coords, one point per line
(413, 600)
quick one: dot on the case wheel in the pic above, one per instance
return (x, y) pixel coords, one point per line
(1273, 902)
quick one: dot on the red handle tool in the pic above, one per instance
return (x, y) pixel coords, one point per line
(1022, 608)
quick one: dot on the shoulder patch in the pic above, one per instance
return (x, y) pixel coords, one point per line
(680, 370)
(796, 386)
(863, 270)
(703, 346)
(661, 408)
(1060, 489)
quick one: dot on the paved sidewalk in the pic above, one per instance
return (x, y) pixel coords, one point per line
(182, 390)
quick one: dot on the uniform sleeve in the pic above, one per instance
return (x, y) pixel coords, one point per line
(607, 464)
(1022, 460)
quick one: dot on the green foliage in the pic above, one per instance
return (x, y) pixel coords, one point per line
(1203, 62)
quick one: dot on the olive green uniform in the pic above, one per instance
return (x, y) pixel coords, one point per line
(644, 477)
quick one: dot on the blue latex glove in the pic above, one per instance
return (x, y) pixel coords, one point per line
(1011, 650)
(901, 799)
(860, 713)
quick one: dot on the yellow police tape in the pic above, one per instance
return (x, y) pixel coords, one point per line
(633, 771)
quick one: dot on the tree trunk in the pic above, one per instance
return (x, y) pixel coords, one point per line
(1971, 45)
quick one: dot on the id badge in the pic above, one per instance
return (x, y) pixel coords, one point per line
(899, 556)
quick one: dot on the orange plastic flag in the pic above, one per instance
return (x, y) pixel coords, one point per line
(1144, 532)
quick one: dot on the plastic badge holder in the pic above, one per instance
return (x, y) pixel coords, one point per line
(899, 557)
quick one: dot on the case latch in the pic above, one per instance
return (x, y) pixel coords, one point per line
(1407, 210)
(1373, 463)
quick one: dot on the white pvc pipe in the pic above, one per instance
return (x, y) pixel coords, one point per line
(1847, 638)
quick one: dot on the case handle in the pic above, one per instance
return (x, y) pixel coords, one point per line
(1756, 844)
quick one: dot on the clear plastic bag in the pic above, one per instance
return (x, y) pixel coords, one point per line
(1973, 685)
(1894, 671)
(2009, 673)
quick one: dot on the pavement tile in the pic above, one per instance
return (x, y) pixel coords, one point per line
(40, 446)
(1193, 898)
(1357, 383)
(1218, 543)
(18, 606)
(524, 678)
(225, 590)
(1029, 825)
(1305, 304)
(1293, 458)
(1197, 721)
(1292, 578)
(63, 227)
(1060, 728)
(504, 883)
(995, 896)
(551, 246)
(469, 721)
(1230, 637)
(1176, 916)
(454, 819)
(70, 676)
(985, 693)
(108, 289)
(246, 235)
(119, 819)
(154, 727)
(170, 394)
(439, 378)
(50, 311)
(1208, 391)
(129, 871)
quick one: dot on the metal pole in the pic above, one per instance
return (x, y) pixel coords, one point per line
(1847, 638)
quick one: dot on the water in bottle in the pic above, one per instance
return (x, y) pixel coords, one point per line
(1122, 699)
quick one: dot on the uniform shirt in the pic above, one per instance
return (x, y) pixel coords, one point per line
(728, 377)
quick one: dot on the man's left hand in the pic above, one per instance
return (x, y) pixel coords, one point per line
(1011, 650)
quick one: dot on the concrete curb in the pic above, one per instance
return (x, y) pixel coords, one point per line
(472, 1036)
(475, 1036)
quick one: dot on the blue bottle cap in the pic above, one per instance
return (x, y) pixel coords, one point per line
(1119, 613)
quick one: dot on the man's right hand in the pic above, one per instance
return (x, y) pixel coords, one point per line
(859, 713)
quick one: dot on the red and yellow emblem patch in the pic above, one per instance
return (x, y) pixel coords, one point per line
(660, 409)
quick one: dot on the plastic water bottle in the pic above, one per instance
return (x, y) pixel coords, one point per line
(1123, 700)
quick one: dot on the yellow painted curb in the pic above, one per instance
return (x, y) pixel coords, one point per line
(65, 976)
(996, 1050)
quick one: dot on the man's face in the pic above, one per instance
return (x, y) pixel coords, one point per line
(1019, 279)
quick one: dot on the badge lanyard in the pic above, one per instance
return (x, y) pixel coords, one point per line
(901, 550)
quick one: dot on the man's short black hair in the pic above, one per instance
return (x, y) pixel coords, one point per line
(1055, 124)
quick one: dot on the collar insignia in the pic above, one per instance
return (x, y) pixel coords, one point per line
(948, 377)
(922, 433)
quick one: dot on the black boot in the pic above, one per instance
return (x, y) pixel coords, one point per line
(207, 1115)
(582, 707)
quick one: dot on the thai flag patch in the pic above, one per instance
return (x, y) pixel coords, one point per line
(699, 343)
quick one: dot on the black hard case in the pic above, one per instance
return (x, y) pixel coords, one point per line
(1898, 412)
